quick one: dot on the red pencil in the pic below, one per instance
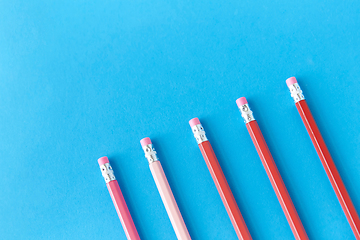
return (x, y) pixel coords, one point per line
(118, 199)
(220, 181)
(272, 171)
(325, 156)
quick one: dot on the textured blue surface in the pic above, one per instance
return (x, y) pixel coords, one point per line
(84, 79)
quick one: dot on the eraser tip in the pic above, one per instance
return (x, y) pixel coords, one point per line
(103, 160)
(145, 141)
(241, 101)
(291, 81)
(194, 121)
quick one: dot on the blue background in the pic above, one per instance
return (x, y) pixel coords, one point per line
(80, 80)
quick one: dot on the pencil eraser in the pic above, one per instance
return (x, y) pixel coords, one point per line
(241, 101)
(194, 121)
(103, 160)
(291, 81)
(145, 141)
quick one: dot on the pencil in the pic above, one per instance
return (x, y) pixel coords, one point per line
(164, 189)
(272, 171)
(219, 179)
(324, 155)
(118, 199)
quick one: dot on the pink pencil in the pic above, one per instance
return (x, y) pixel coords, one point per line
(166, 194)
(118, 199)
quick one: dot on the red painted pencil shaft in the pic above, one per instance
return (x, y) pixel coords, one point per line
(324, 155)
(330, 168)
(122, 210)
(118, 199)
(224, 191)
(272, 171)
(276, 181)
(219, 179)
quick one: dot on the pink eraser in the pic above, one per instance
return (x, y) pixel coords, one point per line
(241, 101)
(194, 121)
(103, 160)
(145, 141)
(291, 81)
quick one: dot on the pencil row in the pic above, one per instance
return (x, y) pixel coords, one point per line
(220, 181)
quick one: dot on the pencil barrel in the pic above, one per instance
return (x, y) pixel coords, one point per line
(224, 190)
(168, 199)
(122, 210)
(276, 181)
(330, 168)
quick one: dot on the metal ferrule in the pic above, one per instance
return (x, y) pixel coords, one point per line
(150, 153)
(199, 133)
(107, 172)
(296, 92)
(246, 113)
